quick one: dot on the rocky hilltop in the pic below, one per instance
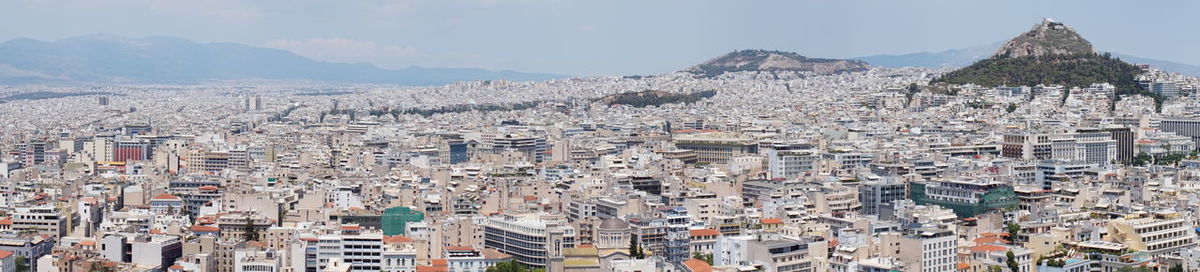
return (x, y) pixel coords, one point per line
(1050, 54)
(1047, 38)
(769, 60)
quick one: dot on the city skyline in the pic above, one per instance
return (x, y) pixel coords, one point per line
(615, 136)
(610, 38)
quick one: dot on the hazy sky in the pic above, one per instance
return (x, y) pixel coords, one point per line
(606, 37)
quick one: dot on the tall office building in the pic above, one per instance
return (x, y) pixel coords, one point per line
(131, 150)
(1124, 137)
(1165, 88)
(35, 152)
(1182, 127)
(457, 149)
(253, 103)
(877, 197)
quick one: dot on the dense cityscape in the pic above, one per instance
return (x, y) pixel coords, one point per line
(756, 160)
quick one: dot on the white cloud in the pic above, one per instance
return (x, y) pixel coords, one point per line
(345, 50)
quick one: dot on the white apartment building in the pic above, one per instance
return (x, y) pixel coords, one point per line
(363, 252)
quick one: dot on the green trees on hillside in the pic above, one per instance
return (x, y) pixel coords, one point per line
(655, 98)
(1075, 70)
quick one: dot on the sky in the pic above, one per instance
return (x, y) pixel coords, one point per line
(606, 37)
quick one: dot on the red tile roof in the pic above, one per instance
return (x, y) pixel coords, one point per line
(988, 248)
(696, 265)
(704, 232)
(397, 239)
(459, 248)
(426, 268)
(990, 240)
(5, 254)
(203, 228)
(771, 221)
(165, 197)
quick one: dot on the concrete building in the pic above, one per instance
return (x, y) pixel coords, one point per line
(1156, 233)
(28, 247)
(530, 238)
(967, 197)
(877, 197)
(359, 252)
(41, 219)
(716, 148)
(153, 250)
(770, 252)
(923, 249)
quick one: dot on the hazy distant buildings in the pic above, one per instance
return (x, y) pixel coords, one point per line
(252, 103)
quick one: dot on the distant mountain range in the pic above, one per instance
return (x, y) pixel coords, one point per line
(948, 58)
(103, 58)
(769, 60)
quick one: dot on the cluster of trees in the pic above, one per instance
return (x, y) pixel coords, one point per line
(426, 112)
(636, 251)
(284, 114)
(1012, 107)
(706, 257)
(1070, 70)
(655, 98)
(977, 104)
(1143, 159)
(511, 266)
(1014, 230)
(1073, 70)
